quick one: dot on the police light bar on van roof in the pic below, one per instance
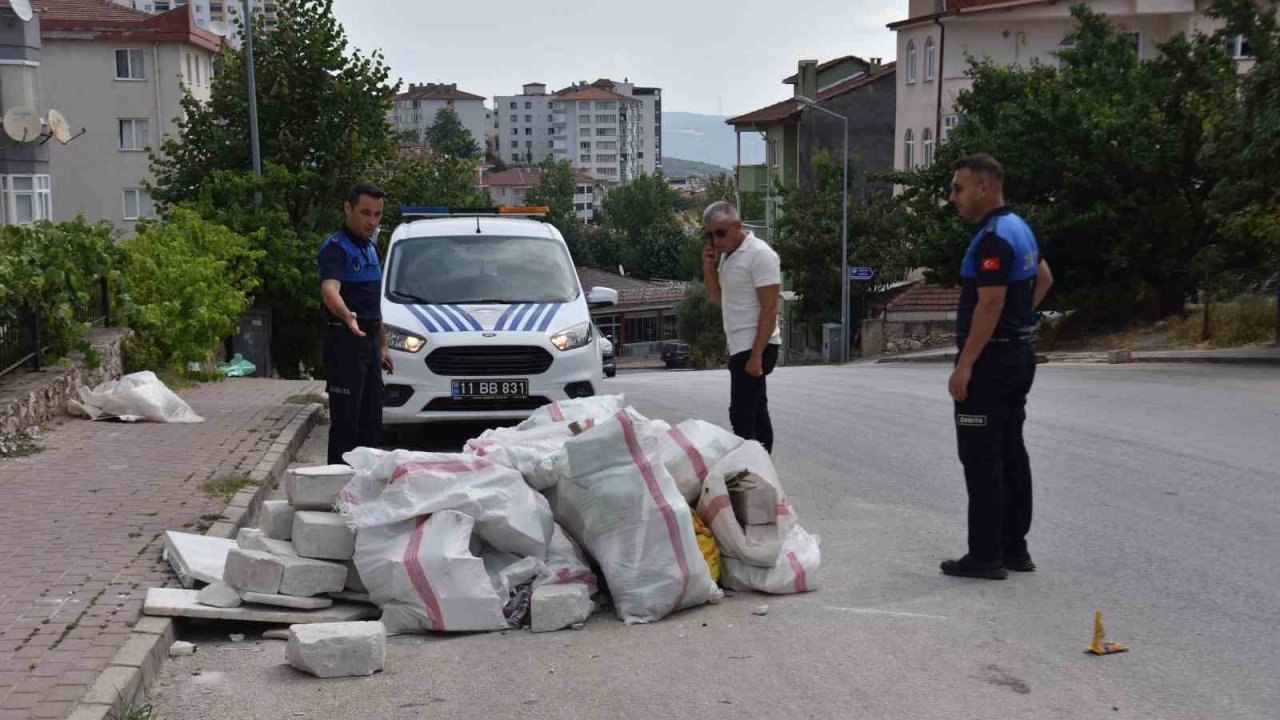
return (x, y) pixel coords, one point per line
(428, 211)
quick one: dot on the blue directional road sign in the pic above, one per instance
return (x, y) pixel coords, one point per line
(861, 273)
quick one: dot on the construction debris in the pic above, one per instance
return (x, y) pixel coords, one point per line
(329, 650)
(276, 519)
(556, 607)
(180, 649)
(255, 539)
(276, 634)
(253, 571)
(196, 557)
(316, 488)
(289, 601)
(219, 595)
(323, 536)
(177, 602)
(305, 577)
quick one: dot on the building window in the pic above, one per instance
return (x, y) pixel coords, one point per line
(926, 142)
(606, 158)
(131, 65)
(579, 207)
(135, 133)
(551, 144)
(584, 119)
(137, 204)
(911, 61)
(604, 118)
(528, 131)
(949, 123)
(513, 107)
(584, 146)
(606, 145)
(515, 131)
(515, 144)
(606, 132)
(515, 118)
(27, 199)
(1238, 47)
(771, 153)
(515, 157)
(583, 105)
(551, 131)
(528, 106)
(191, 74)
(641, 329)
(528, 118)
(930, 59)
(1067, 43)
(909, 152)
(605, 105)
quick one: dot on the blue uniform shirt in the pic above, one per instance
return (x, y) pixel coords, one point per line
(1003, 252)
(353, 262)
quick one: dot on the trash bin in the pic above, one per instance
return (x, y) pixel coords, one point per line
(253, 339)
(832, 342)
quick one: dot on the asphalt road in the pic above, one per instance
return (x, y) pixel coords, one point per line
(1158, 503)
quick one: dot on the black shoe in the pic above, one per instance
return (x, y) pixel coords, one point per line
(967, 567)
(1020, 563)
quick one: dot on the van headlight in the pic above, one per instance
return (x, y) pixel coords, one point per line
(401, 339)
(572, 337)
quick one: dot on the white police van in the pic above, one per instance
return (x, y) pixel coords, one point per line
(485, 317)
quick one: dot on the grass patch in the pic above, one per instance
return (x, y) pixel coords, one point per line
(19, 444)
(130, 711)
(182, 380)
(1246, 320)
(224, 488)
(307, 399)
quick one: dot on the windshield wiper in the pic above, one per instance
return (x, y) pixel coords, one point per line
(408, 296)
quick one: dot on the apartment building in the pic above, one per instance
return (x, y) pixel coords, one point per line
(26, 194)
(217, 15)
(511, 186)
(938, 36)
(119, 74)
(414, 110)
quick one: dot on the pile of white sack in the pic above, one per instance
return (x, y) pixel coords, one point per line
(508, 531)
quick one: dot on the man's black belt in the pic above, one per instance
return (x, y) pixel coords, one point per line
(1011, 340)
(361, 322)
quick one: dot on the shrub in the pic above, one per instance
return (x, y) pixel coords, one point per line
(1245, 320)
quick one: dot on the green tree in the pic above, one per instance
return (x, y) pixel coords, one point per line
(556, 190)
(449, 136)
(443, 180)
(642, 215)
(699, 323)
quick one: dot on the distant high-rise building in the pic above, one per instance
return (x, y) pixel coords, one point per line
(414, 110)
(217, 15)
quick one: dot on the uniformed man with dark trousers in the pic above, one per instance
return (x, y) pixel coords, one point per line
(355, 343)
(1003, 279)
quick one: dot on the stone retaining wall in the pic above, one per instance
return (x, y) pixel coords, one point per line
(31, 398)
(907, 336)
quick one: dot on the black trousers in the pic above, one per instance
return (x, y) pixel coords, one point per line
(748, 400)
(353, 368)
(997, 471)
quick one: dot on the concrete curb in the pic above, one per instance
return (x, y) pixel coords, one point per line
(137, 664)
(1096, 358)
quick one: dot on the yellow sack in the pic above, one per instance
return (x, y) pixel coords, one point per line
(707, 544)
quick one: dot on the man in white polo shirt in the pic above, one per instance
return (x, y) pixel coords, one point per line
(743, 276)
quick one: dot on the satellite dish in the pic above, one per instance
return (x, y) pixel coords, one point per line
(21, 8)
(23, 124)
(59, 126)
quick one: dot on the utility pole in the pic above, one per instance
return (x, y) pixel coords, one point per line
(253, 99)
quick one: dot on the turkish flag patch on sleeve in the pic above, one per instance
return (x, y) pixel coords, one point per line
(991, 264)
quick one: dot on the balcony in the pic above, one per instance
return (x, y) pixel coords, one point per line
(754, 178)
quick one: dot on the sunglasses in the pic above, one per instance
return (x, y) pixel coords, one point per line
(719, 234)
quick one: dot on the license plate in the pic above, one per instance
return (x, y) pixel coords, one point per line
(494, 389)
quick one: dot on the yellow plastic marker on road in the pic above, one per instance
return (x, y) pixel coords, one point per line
(1100, 645)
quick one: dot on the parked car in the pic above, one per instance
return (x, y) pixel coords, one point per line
(607, 358)
(675, 354)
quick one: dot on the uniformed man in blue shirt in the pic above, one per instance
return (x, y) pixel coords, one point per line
(1003, 280)
(355, 343)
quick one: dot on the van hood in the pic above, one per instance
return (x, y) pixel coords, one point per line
(515, 317)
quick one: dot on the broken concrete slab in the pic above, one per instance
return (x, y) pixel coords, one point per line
(355, 597)
(329, 650)
(316, 488)
(276, 519)
(556, 607)
(177, 602)
(219, 595)
(289, 601)
(756, 502)
(276, 634)
(181, 649)
(196, 557)
(253, 570)
(304, 577)
(323, 536)
(255, 539)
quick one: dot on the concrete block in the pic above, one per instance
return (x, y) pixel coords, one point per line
(219, 595)
(289, 601)
(316, 488)
(255, 539)
(176, 602)
(304, 577)
(756, 504)
(276, 519)
(253, 570)
(276, 634)
(323, 536)
(556, 607)
(354, 581)
(1119, 357)
(154, 626)
(330, 650)
(196, 557)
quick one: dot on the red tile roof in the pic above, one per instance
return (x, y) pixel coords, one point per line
(926, 298)
(524, 177)
(789, 109)
(110, 22)
(592, 93)
(434, 91)
(634, 291)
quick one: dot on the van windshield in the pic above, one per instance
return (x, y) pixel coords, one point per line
(481, 269)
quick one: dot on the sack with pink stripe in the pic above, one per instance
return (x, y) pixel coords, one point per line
(596, 408)
(795, 571)
(625, 509)
(520, 450)
(690, 449)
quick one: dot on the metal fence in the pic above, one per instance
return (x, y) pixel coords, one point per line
(23, 341)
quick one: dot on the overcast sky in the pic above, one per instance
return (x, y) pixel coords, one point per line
(708, 56)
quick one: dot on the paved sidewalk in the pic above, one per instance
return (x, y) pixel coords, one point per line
(81, 528)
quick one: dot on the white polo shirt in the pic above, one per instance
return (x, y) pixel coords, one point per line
(753, 265)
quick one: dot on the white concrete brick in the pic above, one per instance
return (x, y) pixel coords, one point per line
(323, 536)
(757, 505)
(330, 650)
(354, 582)
(289, 601)
(556, 607)
(276, 519)
(255, 539)
(219, 595)
(316, 488)
(253, 570)
(304, 577)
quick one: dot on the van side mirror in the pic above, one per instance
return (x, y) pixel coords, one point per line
(602, 297)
